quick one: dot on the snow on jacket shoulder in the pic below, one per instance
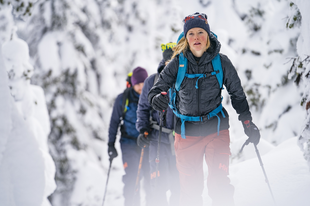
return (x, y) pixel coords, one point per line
(199, 102)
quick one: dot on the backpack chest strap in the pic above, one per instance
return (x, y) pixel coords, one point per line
(199, 76)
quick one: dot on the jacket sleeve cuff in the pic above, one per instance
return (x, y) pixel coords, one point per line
(150, 98)
(245, 116)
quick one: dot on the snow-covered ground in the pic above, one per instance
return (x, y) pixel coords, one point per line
(285, 167)
(284, 164)
(287, 172)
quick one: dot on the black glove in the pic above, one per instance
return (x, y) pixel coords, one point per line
(251, 131)
(143, 140)
(160, 102)
(111, 150)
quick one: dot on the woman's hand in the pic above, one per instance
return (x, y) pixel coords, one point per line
(251, 131)
(160, 102)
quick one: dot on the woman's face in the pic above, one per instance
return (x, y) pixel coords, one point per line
(197, 39)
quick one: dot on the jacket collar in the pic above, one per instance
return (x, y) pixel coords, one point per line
(133, 95)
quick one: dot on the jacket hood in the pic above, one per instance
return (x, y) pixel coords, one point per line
(207, 56)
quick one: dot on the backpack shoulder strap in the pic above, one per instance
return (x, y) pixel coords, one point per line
(182, 66)
(180, 37)
(181, 71)
(217, 66)
(125, 100)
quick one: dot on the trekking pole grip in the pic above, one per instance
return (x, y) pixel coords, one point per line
(145, 134)
(164, 94)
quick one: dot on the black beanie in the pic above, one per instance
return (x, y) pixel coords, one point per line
(167, 50)
(196, 20)
(167, 54)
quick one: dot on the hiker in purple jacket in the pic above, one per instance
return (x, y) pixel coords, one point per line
(148, 120)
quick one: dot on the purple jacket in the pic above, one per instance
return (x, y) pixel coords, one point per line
(145, 110)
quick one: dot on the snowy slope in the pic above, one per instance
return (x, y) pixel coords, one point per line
(286, 170)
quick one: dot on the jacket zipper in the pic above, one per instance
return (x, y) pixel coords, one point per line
(198, 96)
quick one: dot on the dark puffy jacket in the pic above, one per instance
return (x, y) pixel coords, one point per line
(199, 102)
(144, 109)
(129, 132)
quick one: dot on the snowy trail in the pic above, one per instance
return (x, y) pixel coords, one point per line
(285, 167)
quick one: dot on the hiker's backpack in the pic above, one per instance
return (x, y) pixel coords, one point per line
(217, 71)
(125, 102)
(125, 107)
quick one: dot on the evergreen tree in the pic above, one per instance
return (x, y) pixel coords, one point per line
(81, 50)
(64, 37)
(24, 151)
(21, 8)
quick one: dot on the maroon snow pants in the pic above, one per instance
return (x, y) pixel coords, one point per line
(189, 157)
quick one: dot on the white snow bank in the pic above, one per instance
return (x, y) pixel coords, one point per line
(286, 170)
(26, 169)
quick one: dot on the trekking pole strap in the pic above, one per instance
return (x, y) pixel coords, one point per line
(245, 143)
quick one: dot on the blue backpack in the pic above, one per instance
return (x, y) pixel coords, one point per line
(218, 72)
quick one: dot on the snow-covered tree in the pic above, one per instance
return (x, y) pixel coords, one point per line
(64, 37)
(26, 168)
(263, 67)
(21, 8)
(80, 51)
(300, 68)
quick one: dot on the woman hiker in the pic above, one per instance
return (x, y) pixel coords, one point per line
(202, 123)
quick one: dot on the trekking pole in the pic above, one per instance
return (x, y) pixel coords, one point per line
(139, 170)
(106, 185)
(159, 139)
(140, 166)
(261, 164)
(266, 179)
